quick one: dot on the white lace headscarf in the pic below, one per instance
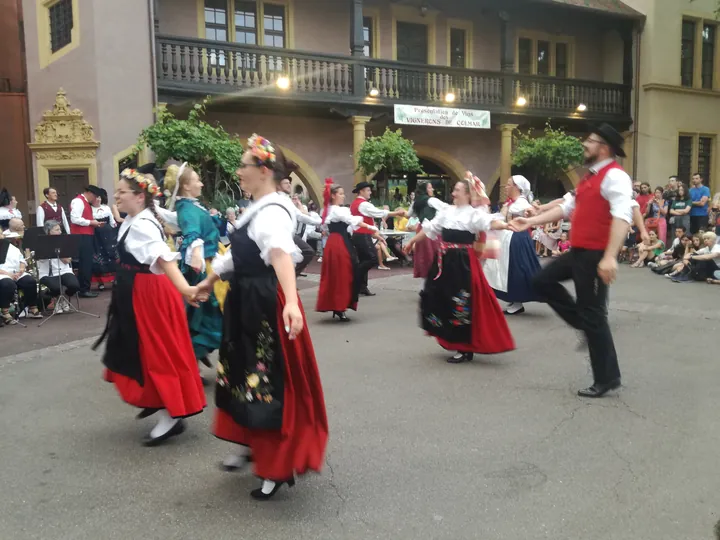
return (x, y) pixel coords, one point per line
(523, 184)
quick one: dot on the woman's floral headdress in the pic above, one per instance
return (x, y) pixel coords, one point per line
(261, 149)
(327, 194)
(141, 180)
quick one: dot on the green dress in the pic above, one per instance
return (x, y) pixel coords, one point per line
(196, 224)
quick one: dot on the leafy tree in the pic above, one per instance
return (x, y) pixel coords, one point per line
(391, 152)
(211, 151)
(549, 155)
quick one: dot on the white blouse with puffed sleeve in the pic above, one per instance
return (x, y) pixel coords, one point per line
(145, 242)
(461, 218)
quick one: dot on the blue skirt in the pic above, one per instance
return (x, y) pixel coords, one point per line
(524, 264)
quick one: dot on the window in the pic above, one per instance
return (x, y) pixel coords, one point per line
(708, 55)
(685, 159)
(695, 154)
(542, 54)
(274, 26)
(245, 22)
(368, 37)
(61, 24)
(216, 20)
(458, 45)
(412, 42)
(561, 60)
(687, 60)
(704, 167)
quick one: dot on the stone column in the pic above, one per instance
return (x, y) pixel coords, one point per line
(506, 131)
(358, 124)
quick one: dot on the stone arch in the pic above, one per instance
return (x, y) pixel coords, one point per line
(452, 166)
(306, 173)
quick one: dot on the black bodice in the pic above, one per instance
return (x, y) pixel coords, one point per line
(338, 227)
(247, 260)
(455, 236)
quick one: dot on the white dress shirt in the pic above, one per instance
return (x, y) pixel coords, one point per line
(271, 228)
(368, 209)
(12, 263)
(341, 214)
(50, 267)
(40, 216)
(8, 213)
(616, 188)
(76, 211)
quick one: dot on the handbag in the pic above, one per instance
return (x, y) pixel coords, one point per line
(652, 223)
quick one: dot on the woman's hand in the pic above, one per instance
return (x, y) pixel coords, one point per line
(196, 263)
(409, 247)
(191, 296)
(380, 239)
(293, 320)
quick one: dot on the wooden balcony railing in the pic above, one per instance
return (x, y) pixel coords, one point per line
(199, 66)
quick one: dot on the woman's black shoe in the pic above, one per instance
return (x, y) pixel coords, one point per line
(260, 496)
(459, 358)
(145, 413)
(341, 315)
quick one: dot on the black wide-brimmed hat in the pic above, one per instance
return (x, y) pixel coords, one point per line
(611, 136)
(94, 190)
(362, 185)
(157, 172)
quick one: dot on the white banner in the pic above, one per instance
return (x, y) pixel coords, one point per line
(441, 117)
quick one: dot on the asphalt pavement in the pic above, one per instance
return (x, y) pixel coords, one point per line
(501, 448)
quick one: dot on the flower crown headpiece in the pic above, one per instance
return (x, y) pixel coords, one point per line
(141, 180)
(261, 149)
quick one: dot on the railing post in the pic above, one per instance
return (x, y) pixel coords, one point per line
(357, 47)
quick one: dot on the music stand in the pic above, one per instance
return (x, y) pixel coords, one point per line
(56, 247)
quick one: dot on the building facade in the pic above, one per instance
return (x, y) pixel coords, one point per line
(678, 91)
(318, 76)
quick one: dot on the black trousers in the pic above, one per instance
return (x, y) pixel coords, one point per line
(69, 281)
(85, 261)
(587, 312)
(307, 253)
(26, 284)
(697, 223)
(367, 255)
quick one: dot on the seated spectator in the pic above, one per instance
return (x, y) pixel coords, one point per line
(677, 243)
(8, 209)
(54, 274)
(704, 263)
(13, 278)
(547, 238)
(682, 267)
(648, 251)
(16, 226)
(563, 245)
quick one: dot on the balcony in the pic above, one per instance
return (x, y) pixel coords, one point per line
(190, 67)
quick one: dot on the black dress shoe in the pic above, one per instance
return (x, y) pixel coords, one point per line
(146, 412)
(341, 315)
(459, 358)
(518, 312)
(366, 292)
(260, 496)
(87, 294)
(599, 390)
(177, 429)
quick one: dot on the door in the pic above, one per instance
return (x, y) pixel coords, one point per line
(69, 184)
(412, 42)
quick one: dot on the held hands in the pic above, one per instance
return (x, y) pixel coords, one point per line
(499, 226)
(293, 320)
(95, 223)
(607, 269)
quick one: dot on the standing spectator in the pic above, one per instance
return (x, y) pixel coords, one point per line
(83, 222)
(656, 211)
(51, 210)
(8, 209)
(671, 188)
(644, 197)
(700, 195)
(680, 209)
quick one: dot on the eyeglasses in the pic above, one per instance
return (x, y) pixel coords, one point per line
(596, 141)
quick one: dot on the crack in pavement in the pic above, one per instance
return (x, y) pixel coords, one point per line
(335, 487)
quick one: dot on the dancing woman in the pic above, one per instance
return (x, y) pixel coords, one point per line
(512, 272)
(457, 305)
(149, 354)
(424, 208)
(340, 274)
(200, 240)
(268, 395)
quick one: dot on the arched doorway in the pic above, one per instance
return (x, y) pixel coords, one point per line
(396, 188)
(305, 177)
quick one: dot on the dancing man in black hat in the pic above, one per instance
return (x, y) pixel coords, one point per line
(362, 238)
(602, 211)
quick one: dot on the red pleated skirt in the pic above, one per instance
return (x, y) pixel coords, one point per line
(336, 277)
(423, 256)
(170, 371)
(490, 332)
(300, 445)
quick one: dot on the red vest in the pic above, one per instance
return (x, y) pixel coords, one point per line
(51, 213)
(355, 211)
(87, 214)
(591, 220)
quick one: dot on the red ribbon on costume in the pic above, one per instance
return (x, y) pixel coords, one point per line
(442, 250)
(326, 198)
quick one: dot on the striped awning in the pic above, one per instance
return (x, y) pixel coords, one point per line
(612, 7)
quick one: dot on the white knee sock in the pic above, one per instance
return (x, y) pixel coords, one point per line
(237, 458)
(165, 423)
(267, 487)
